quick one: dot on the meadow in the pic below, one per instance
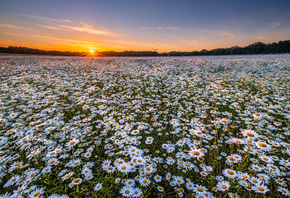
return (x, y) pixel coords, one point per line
(145, 127)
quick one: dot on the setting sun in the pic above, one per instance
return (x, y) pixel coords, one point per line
(92, 51)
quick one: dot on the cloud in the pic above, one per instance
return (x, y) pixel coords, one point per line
(190, 42)
(14, 34)
(65, 25)
(42, 18)
(226, 34)
(51, 27)
(66, 40)
(15, 27)
(172, 28)
(9, 26)
(88, 29)
(274, 25)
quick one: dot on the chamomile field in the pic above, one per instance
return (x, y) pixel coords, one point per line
(145, 127)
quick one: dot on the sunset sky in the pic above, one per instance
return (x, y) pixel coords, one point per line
(166, 25)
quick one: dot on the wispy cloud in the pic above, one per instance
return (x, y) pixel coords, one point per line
(171, 28)
(140, 44)
(42, 18)
(274, 25)
(226, 34)
(14, 27)
(88, 29)
(65, 40)
(68, 25)
(10, 26)
(14, 34)
(220, 33)
(190, 42)
(50, 27)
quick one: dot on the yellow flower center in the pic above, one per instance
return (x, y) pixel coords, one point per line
(68, 176)
(231, 172)
(250, 134)
(262, 144)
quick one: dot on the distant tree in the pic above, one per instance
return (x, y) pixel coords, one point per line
(255, 48)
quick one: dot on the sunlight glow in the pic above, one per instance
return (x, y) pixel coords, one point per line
(92, 51)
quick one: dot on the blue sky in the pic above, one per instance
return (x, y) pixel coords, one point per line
(183, 25)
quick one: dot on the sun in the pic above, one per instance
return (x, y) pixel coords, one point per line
(92, 51)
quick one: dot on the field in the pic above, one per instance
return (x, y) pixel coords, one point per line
(145, 127)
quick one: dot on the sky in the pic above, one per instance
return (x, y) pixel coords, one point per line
(162, 25)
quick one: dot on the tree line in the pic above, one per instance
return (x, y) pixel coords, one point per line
(255, 48)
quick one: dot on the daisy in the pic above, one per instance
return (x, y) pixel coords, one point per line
(72, 143)
(46, 170)
(256, 168)
(179, 180)
(284, 191)
(237, 140)
(129, 182)
(117, 180)
(199, 188)
(263, 146)
(110, 169)
(124, 168)
(86, 170)
(189, 185)
(257, 116)
(37, 192)
(127, 191)
(160, 188)
(260, 188)
(243, 183)
(89, 164)
(77, 181)
(106, 163)
(266, 158)
(149, 169)
(196, 153)
(12, 181)
(62, 172)
(68, 175)
(219, 178)
(223, 185)
(98, 187)
(279, 181)
(157, 178)
(249, 133)
(137, 192)
(233, 195)
(144, 181)
(255, 180)
(230, 173)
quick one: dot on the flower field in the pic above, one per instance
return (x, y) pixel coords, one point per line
(145, 127)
